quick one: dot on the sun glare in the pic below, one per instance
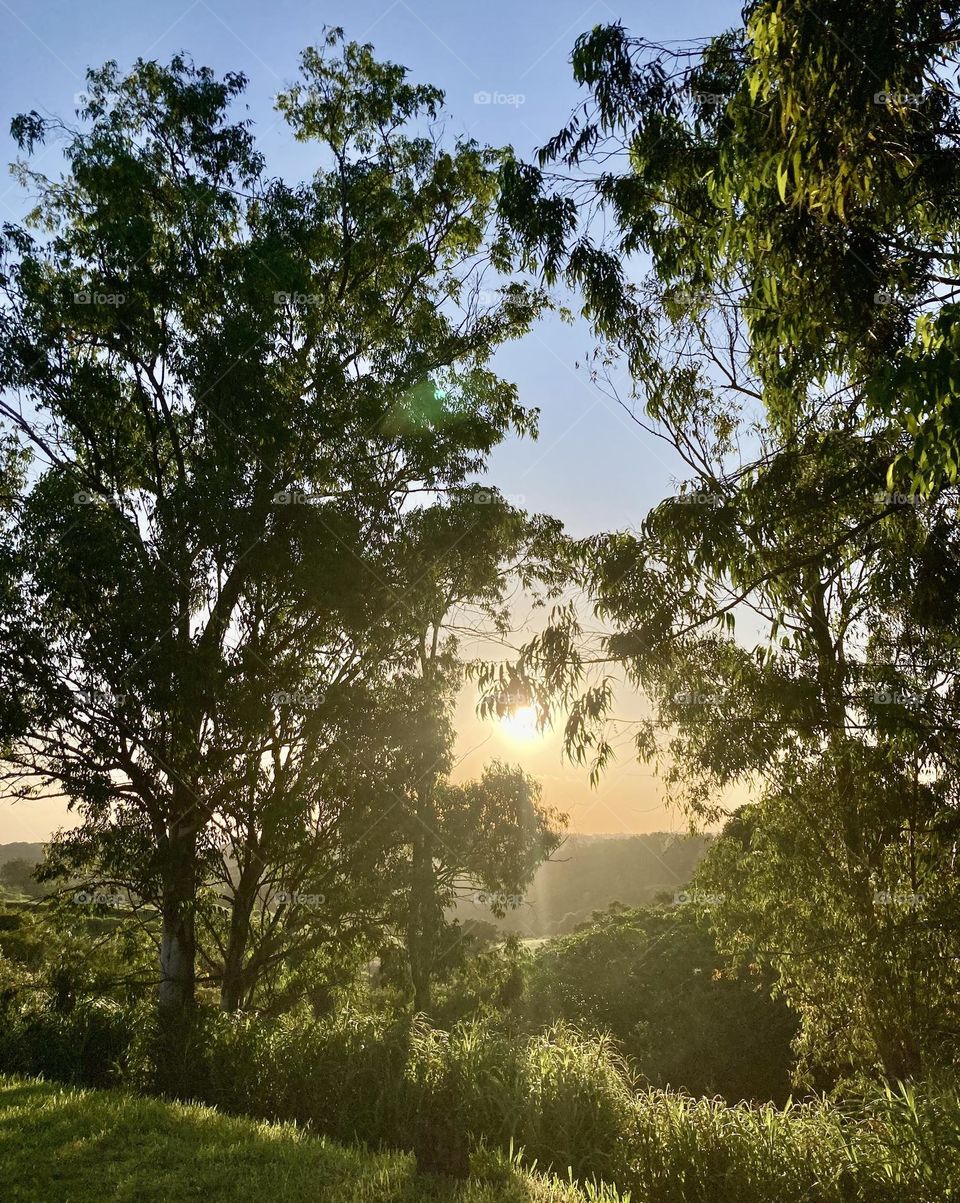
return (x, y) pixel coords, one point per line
(521, 723)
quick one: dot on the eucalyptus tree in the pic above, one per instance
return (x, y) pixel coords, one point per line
(789, 622)
(779, 611)
(304, 858)
(231, 387)
(802, 164)
(490, 834)
(488, 837)
(314, 852)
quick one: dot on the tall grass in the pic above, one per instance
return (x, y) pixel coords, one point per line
(567, 1102)
(87, 1046)
(563, 1098)
(561, 1101)
(900, 1147)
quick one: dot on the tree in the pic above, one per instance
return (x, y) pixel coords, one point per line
(772, 609)
(776, 612)
(306, 863)
(654, 979)
(232, 388)
(317, 855)
(494, 833)
(488, 837)
(806, 161)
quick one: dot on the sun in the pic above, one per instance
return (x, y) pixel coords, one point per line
(521, 723)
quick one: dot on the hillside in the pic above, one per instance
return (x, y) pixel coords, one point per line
(20, 851)
(87, 1146)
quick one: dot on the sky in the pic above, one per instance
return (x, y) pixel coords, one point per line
(504, 66)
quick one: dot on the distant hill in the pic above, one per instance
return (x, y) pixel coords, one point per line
(21, 851)
(588, 873)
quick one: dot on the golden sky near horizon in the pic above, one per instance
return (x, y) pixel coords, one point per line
(628, 800)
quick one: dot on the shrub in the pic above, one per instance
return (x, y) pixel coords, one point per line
(580, 1106)
(343, 1074)
(653, 979)
(86, 1046)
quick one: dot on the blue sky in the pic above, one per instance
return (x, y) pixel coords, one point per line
(505, 69)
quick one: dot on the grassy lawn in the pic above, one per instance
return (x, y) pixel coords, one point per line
(61, 1145)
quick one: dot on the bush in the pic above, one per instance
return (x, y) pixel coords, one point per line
(343, 1074)
(653, 979)
(564, 1097)
(86, 1046)
(488, 982)
(580, 1106)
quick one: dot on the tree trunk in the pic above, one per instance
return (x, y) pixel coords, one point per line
(899, 1054)
(233, 986)
(890, 1023)
(421, 928)
(177, 962)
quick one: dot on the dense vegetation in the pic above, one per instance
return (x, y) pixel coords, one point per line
(653, 980)
(560, 1100)
(243, 531)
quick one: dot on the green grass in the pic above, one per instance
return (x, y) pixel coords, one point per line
(63, 1145)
